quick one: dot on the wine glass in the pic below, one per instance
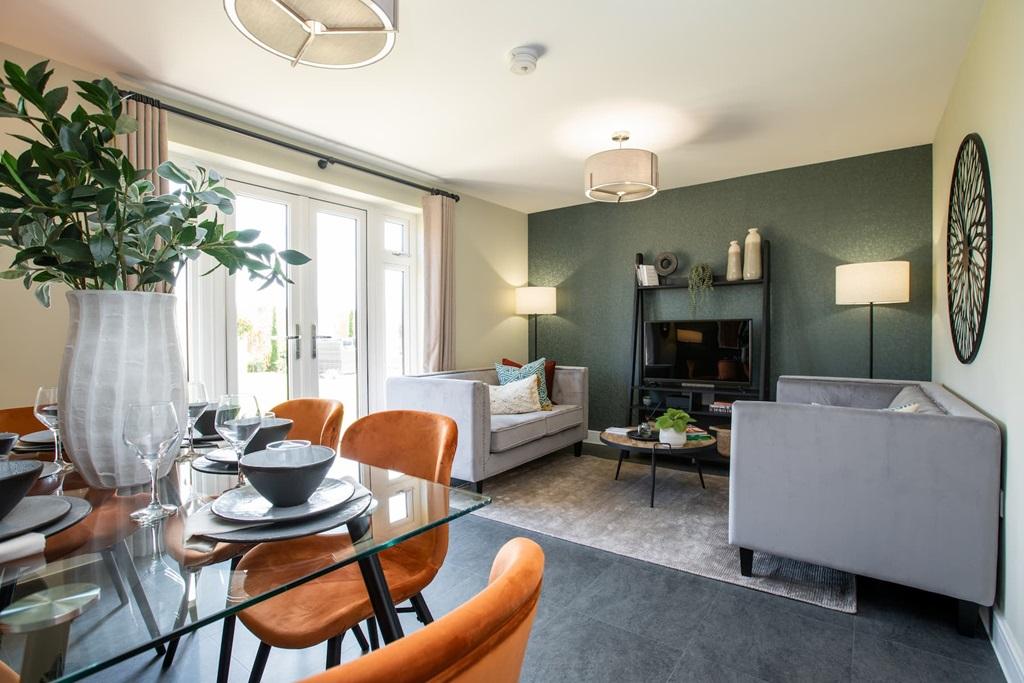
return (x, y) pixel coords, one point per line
(46, 412)
(197, 404)
(237, 421)
(151, 430)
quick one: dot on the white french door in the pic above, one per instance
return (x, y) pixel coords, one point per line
(309, 338)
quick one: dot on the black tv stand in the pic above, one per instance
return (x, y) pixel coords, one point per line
(696, 397)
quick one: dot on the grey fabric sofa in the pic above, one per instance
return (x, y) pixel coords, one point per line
(826, 475)
(491, 444)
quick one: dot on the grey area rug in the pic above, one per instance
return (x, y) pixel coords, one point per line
(577, 499)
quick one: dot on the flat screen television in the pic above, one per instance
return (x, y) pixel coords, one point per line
(697, 352)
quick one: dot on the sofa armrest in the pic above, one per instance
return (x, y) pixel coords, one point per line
(465, 401)
(902, 497)
(572, 387)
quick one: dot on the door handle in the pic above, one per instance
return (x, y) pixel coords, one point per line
(297, 337)
(314, 336)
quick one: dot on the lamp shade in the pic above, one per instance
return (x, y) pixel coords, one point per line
(340, 34)
(877, 282)
(535, 300)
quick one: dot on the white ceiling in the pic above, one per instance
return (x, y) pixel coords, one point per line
(717, 88)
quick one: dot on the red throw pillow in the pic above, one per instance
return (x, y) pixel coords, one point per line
(549, 374)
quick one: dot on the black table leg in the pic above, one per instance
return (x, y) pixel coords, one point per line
(700, 472)
(380, 598)
(622, 454)
(654, 471)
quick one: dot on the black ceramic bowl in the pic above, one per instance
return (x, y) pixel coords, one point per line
(7, 441)
(16, 478)
(287, 480)
(205, 423)
(271, 429)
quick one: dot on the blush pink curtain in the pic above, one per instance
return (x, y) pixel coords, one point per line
(439, 280)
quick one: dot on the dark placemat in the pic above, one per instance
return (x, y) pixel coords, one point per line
(306, 527)
(32, 513)
(203, 464)
(80, 509)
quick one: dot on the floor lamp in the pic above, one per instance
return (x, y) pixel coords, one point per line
(878, 282)
(534, 301)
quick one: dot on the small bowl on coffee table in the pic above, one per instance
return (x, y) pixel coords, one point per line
(287, 472)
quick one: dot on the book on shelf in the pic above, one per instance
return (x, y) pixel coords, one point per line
(646, 275)
(724, 407)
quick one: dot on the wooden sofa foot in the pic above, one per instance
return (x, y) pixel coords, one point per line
(746, 562)
(577, 449)
(967, 618)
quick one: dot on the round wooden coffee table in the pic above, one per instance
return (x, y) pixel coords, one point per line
(696, 450)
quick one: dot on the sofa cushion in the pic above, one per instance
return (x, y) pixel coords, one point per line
(515, 398)
(509, 431)
(913, 394)
(563, 417)
(507, 373)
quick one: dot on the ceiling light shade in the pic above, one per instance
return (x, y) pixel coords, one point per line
(332, 34)
(621, 175)
(878, 282)
(535, 300)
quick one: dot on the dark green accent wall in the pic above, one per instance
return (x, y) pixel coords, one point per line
(869, 208)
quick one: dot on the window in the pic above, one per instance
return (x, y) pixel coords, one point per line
(396, 238)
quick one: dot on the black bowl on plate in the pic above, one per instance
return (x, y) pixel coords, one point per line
(271, 429)
(7, 441)
(287, 480)
(16, 478)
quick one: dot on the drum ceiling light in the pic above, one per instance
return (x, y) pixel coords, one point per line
(621, 175)
(331, 34)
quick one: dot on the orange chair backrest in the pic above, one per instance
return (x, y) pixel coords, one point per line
(317, 420)
(482, 640)
(20, 420)
(411, 441)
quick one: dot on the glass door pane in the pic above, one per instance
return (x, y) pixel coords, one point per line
(261, 316)
(395, 312)
(335, 348)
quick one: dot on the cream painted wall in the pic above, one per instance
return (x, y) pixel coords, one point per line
(490, 257)
(988, 98)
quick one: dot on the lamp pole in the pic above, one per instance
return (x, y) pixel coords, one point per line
(871, 340)
(536, 353)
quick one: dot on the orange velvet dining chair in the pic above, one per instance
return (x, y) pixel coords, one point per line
(482, 640)
(317, 420)
(416, 443)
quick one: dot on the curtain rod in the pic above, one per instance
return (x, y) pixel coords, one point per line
(323, 160)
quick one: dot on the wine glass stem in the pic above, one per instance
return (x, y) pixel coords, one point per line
(152, 477)
(58, 452)
(192, 437)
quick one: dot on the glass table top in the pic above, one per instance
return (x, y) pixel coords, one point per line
(132, 615)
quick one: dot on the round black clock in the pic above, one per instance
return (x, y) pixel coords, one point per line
(969, 247)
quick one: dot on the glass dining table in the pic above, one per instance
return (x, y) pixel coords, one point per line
(119, 589)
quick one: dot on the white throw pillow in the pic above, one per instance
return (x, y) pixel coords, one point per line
(521, 396)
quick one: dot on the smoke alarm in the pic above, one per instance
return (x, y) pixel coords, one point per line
(522, 60)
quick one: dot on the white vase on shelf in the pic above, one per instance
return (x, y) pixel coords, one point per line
(752, 255)
(734, 271)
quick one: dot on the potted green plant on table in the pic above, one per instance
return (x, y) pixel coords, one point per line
(672, 427)
(78, 214)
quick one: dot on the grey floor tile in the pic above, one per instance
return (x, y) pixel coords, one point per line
(798, 607)
(877, 659)
(655, 603)
(692, 668)
(571, 647)
(763, 639)
(919, 619)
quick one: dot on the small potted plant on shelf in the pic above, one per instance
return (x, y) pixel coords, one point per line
(672, 427)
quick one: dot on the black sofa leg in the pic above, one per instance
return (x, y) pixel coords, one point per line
(967, 618)
(480, 486)
(577, 449)
(746, 562)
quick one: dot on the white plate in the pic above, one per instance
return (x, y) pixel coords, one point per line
(225, 455)
(245, 504)
(43, 437)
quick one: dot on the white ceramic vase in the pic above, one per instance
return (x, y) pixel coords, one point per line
(122, 348)
(672, 437)
(752, 255)
(733, 269)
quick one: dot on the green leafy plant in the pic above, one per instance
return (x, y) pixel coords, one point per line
(701, 282)
(674, 419)
(77, 212)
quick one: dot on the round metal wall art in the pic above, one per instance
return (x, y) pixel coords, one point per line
(666, 263)
(969, 247)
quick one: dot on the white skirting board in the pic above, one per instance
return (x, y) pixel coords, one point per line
(1007, 650)
(593, 437)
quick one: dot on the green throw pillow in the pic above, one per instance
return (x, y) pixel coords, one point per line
(507, 373)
